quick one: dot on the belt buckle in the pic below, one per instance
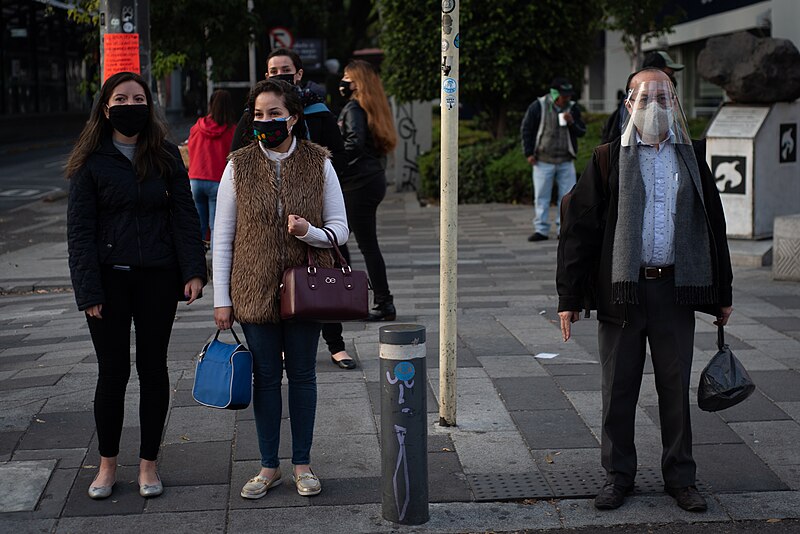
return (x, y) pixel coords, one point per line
(652, 273)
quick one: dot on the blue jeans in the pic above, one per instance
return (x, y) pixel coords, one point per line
(298, 341)
(204, 193)
(543, 176)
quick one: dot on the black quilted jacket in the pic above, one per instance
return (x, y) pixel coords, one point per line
(113, 219)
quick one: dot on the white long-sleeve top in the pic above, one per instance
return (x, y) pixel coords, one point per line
(334, 217)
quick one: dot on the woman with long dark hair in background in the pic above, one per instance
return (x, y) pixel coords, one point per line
(369, 135)
(134, 251)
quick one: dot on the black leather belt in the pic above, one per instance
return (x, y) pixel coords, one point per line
(651, 273)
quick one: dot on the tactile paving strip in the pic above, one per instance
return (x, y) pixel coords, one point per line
(500, 487)
(557, 484)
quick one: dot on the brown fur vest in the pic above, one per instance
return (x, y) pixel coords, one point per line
(262, 247)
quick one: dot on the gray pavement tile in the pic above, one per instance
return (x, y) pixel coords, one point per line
(780, 386)
(575, 369)
(446, 479)
(8, 442)
(766, 505)
(30, 382)
(781, 324)
(785, 302)
(637, 510)
(715, 466)
(61, 430)
(346, 456)
(67, 458)
(574, 460)
(707, 428)
(246, 445)
(21, 361)
(125, 498)
(775, 442)
(790, 474)
(199, 423)
(580, 382)
(440, 443)
(25, 525)
(281, 496)
(344, 416)
(495, 452)
(708, 341)
(511, 366)
(193, 464)
(791, 408)
(348, 491)
(30, 479)
(128, 448)
(54, 496)
(531, 393)
(14, 416)
(183, 397)
(207, 521)
(554, 429)
(757, 407)
(190, 499)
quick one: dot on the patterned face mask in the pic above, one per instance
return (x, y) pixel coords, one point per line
(273, 132)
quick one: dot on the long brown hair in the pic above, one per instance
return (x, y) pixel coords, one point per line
(220, 107)
(151, 153)
(371, 96)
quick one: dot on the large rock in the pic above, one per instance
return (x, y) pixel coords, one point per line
(752, 70)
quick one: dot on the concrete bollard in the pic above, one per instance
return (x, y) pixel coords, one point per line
(404, 427)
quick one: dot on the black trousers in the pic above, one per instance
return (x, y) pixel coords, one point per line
(362, 207)
(148, 297)
(669, 328)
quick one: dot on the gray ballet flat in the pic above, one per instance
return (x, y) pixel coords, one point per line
(100, 492)
(154, 490)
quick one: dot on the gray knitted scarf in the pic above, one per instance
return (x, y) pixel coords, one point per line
(693, 271)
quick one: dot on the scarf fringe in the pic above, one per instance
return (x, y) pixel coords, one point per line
(624, 292)
(692, 295)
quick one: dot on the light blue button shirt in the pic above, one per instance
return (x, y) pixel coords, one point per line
(659, 169)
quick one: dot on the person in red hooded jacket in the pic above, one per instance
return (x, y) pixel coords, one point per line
(209, 141)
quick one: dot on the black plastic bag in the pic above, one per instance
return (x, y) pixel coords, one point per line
(724, 382)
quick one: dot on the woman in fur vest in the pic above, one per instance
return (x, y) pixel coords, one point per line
(275, 196)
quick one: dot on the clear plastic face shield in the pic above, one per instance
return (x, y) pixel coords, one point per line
(654, 114)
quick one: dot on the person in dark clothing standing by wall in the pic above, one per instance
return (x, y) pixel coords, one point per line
(648, 241)
(134, 251)
(322, 129)
(368, 131)
(550, 131)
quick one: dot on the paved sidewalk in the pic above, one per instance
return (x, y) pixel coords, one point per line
(525, 454)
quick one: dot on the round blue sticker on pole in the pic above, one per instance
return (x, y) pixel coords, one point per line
(404, 371)
(449, 86)
(457, 40)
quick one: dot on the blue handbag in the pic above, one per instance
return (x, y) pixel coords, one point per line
(223, 377)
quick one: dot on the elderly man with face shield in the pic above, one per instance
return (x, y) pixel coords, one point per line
(644, 243)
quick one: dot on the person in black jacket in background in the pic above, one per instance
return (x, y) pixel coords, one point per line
(321, 128)
(368, 132)
(134, 251)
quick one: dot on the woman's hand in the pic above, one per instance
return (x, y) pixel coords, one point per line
(223, 317)
(298, 226)
(193, 289)
(94, 311)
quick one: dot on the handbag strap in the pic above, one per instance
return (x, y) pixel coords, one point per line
(332, 238)
(232, 332)
(720, 336)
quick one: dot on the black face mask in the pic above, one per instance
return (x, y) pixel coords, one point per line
(271, 133)
(344, 89)
(285, 77)
(129, 120)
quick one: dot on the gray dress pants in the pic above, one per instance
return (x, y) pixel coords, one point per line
(669, 328)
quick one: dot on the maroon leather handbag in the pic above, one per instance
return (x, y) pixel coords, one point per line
(325, 295)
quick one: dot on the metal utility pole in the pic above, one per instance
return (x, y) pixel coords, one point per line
(251, 49)
(125, 38)
(448, 248)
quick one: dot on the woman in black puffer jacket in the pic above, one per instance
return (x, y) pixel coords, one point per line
(134, 251)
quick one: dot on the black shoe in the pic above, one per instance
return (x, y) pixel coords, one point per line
(346, 363)
(383, 312)
(538, 237)
(611, 496)
(688, 498)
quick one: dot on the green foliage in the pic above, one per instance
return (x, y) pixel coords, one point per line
(586, 144)
(637, 19)
(163, 64)
(509, 53)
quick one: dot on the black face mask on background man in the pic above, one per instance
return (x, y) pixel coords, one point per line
(129, 120)
(289, 78)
